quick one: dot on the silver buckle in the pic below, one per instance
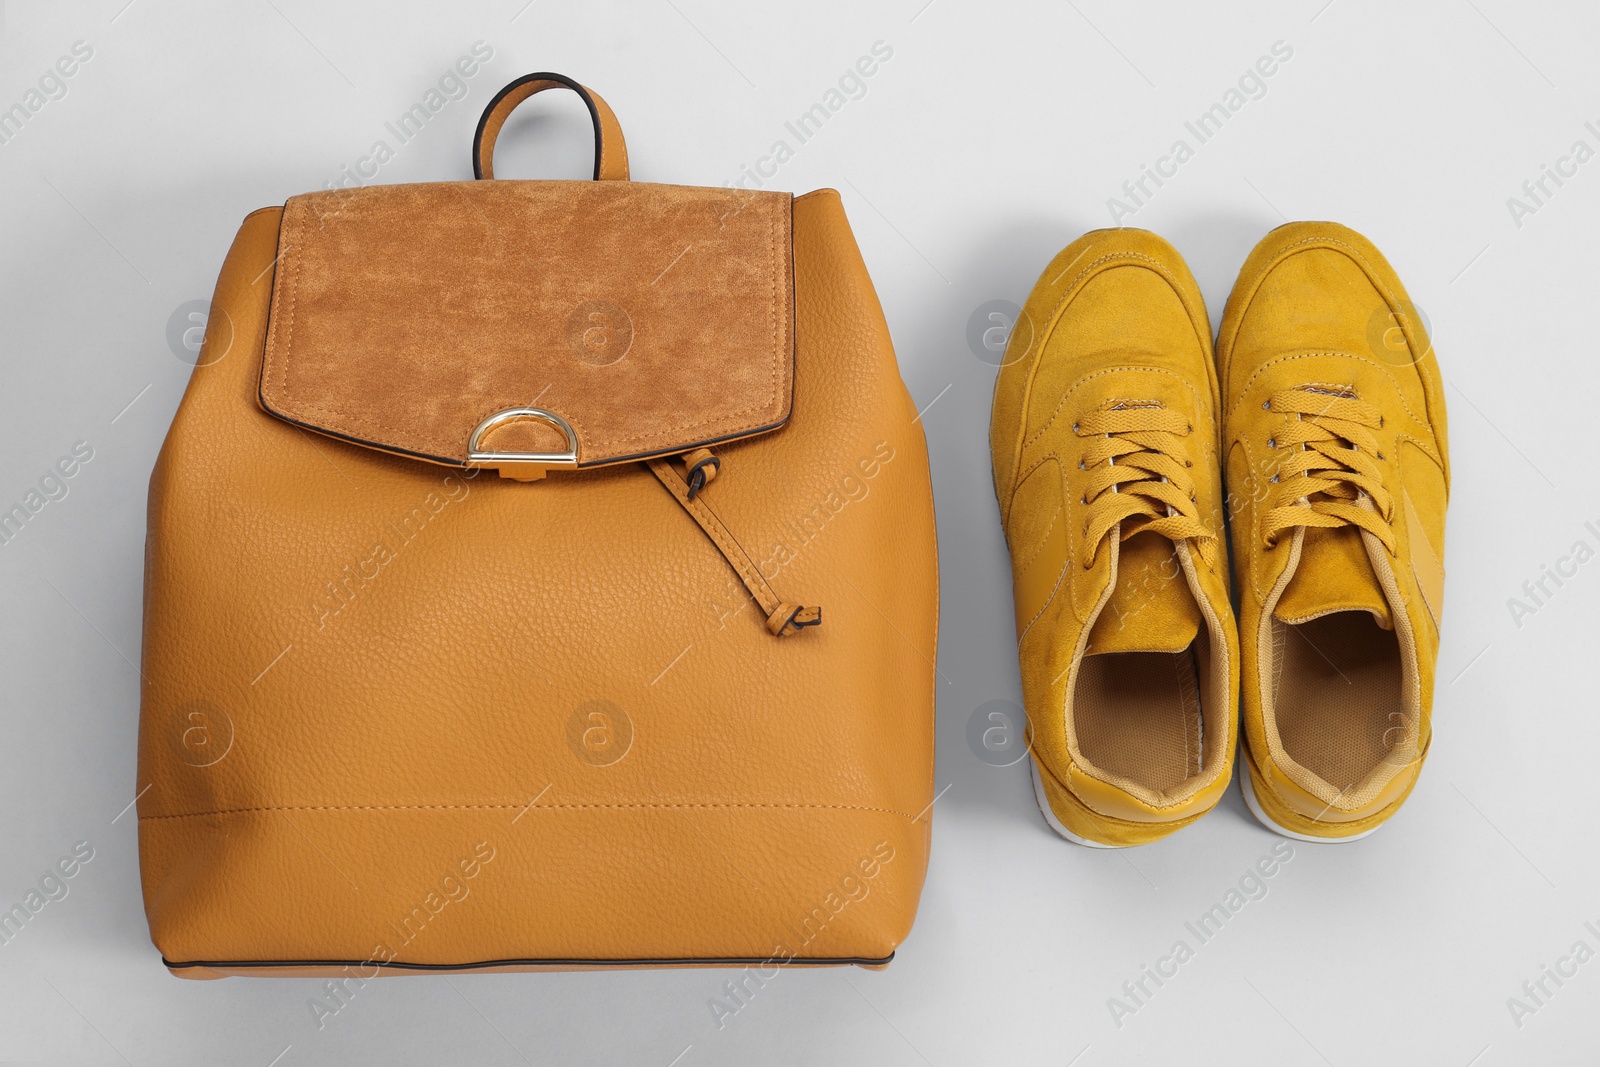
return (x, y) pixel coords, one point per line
(523, 466)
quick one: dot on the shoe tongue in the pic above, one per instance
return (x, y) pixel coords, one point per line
(1334, 574)
(1151, 608)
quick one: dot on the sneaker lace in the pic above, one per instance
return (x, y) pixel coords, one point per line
(1136, 474)
(1331, 477)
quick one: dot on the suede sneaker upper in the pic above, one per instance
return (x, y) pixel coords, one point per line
(1104, 439)
(1337, 477)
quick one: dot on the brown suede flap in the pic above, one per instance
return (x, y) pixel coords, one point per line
(652, 318)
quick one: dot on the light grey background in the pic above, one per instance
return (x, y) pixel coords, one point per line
(993, 136)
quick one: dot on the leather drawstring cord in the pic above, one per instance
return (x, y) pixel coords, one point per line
(701, 466)
(783, 617)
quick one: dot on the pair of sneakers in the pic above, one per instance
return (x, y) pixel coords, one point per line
(1126, 451)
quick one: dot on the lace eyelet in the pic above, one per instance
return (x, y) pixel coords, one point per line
(1075, 427)
(1273, 479)
(1380, 422)
(1380, 455)
(1188, 463)
(1272, 442)
(1084, 500)
(1266, 405)
(1081, 466)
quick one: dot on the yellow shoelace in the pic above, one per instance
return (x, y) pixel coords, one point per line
(1135, 475)
(1332, 464)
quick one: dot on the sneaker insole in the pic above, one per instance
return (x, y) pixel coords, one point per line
(1137, 716)
(1338, 704)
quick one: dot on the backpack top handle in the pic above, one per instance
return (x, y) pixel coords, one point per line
(610, 152)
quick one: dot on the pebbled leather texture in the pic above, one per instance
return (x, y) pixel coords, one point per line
(397, 715)
(652, 318)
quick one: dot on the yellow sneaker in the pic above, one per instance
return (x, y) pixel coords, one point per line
(1104, 439)
(1338, 476)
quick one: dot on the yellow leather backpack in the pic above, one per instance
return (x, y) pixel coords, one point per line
(539, 574)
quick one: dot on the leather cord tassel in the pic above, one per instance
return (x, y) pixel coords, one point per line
(783, 617)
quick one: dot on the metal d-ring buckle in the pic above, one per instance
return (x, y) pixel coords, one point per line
(523, 466)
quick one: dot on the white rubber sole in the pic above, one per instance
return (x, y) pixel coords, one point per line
(1254, 805)
(1049, 816)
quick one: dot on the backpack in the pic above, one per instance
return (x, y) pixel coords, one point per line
(539, 574)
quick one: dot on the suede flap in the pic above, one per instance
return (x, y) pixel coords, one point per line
(653, 319)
